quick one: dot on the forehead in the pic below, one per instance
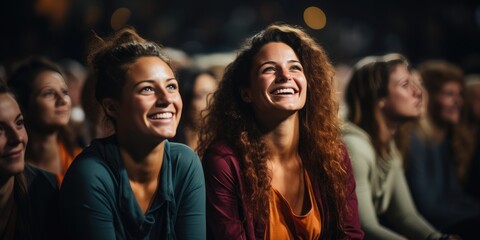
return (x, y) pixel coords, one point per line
(48, 78)
(400, 70)
(205, 81)
(148, 68)
(274, 51)
(451, 86)
(8, 107)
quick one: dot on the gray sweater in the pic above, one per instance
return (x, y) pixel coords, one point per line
(382, 191)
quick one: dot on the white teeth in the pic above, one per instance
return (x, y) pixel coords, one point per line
(284, 90)
(162, 116)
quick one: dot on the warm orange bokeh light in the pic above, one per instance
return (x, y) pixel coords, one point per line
(315, 18)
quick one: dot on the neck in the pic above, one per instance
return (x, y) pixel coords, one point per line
(283, 139)
(439, 131)
(191, 136)
(143, 163)
(42, 148)
(390, 128)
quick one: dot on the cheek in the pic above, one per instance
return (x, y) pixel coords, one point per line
(3, 142)
(177, 102)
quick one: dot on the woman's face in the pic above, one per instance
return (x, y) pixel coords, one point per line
(51, 104)
(204, 85)
(404, 100)
(150, 104)
(277, 83)
(13, 137)
(448, 103)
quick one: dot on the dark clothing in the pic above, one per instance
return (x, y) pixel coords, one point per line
(435, 186)
(41, 206)
(97, 200)
(227, 216)
(473, 173)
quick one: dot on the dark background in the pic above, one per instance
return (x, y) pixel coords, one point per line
(419, 29)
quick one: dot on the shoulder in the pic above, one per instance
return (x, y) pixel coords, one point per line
(97, 163)
(40, 180)
(358, 142)
(219, 155)
(181, 151)
(353, 133)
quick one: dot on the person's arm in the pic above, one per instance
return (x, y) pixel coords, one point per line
(403, 214)
(361, 153)
(86, 201)
(190, 222)
(351, 220)
(223, 198)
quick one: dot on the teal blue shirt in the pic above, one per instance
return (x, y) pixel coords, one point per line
(97, 201)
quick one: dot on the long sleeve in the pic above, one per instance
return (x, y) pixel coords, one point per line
(224, 220)
(403, 213)
(86, 201)
(361, 154)
(352, 221)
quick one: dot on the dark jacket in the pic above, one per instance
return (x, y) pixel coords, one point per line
(227, 217)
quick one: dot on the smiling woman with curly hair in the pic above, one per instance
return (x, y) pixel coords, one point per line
(273, 158)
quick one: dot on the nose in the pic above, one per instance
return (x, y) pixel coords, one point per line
(61, 99)
(417, 91)
(283, 75)
(14, 136)
(163, 98)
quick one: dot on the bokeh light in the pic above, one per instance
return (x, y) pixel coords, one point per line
(315, 18)
(120, 17)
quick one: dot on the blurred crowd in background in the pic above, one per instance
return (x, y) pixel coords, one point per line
(347, 29)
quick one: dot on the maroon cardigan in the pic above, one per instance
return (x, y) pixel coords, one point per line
(227, 216)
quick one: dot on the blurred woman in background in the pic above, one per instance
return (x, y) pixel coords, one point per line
(439, 151)
(196, 87)
(43, 97)
(380, 97)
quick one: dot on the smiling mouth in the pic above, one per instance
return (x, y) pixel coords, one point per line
(283, 91)
(162, 116)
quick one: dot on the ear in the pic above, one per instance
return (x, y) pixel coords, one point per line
(110, 107)
(245, 95)
(381, 103)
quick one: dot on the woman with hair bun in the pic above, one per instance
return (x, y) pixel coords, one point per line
(135, 184)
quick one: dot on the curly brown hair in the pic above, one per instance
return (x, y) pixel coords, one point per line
(232, 120)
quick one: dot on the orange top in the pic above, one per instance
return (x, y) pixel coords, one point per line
(66, 159)
(285, 224)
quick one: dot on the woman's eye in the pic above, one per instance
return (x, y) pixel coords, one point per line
(296, 67)
(268, 69)
(146, 90)
(20, 122)
(48, 93)
(65, 92)
(172, 87)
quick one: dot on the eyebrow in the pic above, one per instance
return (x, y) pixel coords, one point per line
(153, 81)
(273, 62)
